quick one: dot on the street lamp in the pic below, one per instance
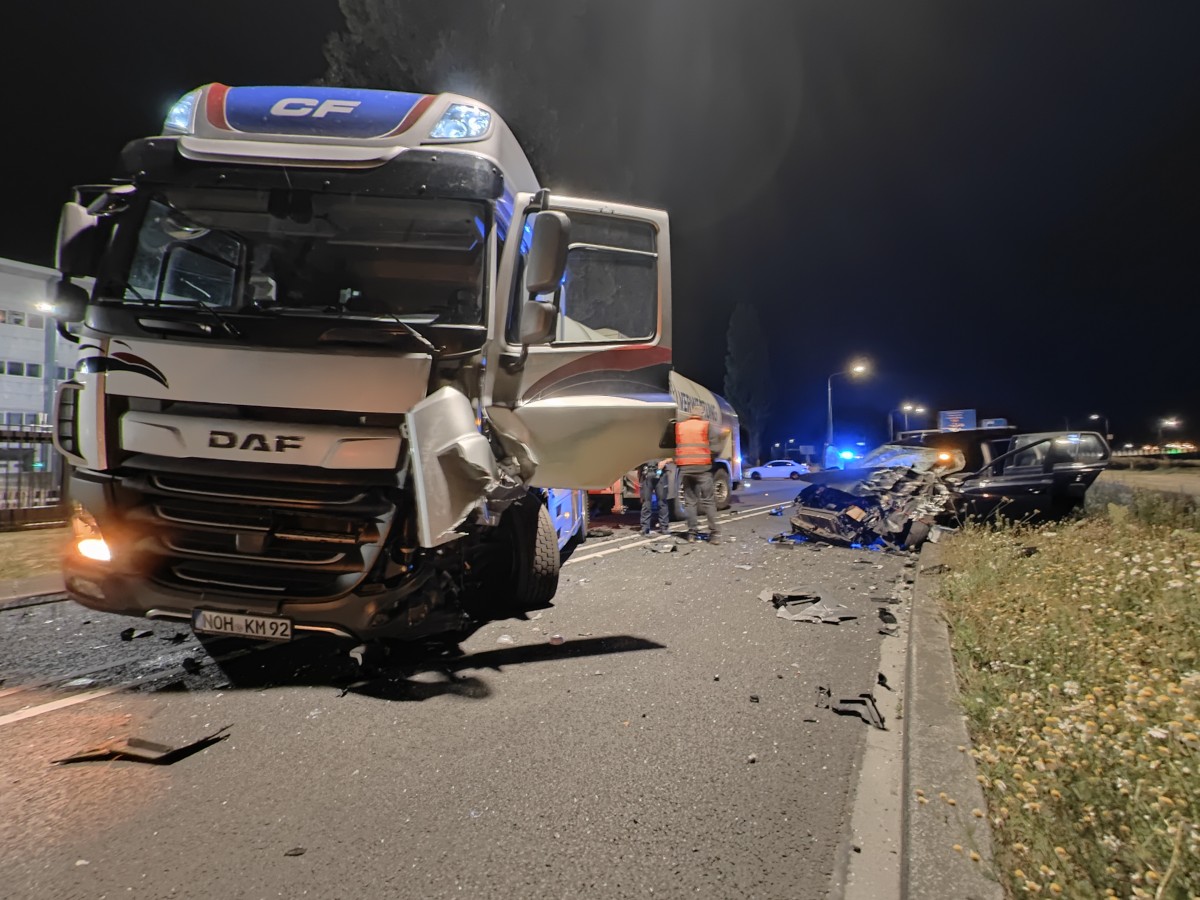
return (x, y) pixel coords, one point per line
(1171, 422)
(1095, 417)
(857, 368)
(905, 408)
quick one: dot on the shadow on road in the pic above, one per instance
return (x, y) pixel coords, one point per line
(401, 672)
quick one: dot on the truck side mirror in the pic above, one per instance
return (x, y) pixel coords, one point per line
(69, 301)
(547, 259)
(77, 252)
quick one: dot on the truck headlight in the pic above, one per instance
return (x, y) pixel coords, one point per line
(89, 542)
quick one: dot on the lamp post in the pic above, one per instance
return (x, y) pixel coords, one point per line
(1171, 422)
(905, 408)
(1095, 417)
(857, 368)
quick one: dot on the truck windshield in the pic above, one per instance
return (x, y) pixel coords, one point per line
(311, 254)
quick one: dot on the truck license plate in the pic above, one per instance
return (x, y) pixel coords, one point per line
(267, 628)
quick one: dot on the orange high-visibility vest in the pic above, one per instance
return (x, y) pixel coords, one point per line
(691, 443)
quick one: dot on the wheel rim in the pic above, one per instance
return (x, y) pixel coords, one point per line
(720, 491)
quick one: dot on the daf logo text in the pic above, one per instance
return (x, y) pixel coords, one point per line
(278, 443)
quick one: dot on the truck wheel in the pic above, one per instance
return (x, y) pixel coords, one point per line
(721, 488)
(535, 560)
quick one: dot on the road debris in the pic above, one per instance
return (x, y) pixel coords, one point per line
(862, 706)
(295, 851)
(191, 666)
(130, 634)
(80, 682)
(505, 639)
(805, 606)
(599, 532)
(777, 511)
(824, 694)
(136, 749)
(556, 639)
(743, 566)
(939, 569)
(754, 698)
(752, 758)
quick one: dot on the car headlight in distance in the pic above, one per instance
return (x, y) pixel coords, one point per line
(89, 542)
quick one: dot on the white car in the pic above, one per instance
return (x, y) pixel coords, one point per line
(779, 468)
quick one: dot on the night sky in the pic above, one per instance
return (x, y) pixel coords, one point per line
(999, 204)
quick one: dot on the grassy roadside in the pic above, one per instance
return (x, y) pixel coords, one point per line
(34, 552)
(1079, 667)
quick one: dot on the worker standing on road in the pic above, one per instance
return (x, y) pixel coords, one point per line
(653, 482)
(694, 446)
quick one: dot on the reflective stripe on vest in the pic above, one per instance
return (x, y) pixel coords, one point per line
(691, 443)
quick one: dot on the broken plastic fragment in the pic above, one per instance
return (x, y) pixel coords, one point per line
(130, 634)
(295, 851)
(139, 750)
(862, 706)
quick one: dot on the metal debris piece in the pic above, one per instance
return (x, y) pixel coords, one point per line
(743, 566)
(885, 616)
(191, 666)
(777, 511)
(295, 851)
(661, 547)
(130, 634)
(556, 639)
(138, 750)
(754, 698)
(80, 682)
(862, 706)
(818, 613)
(882, 681)
(823, 696)
(890, 630)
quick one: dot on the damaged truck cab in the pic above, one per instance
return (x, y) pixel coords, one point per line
(339, 346)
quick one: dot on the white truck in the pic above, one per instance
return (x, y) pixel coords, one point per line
(339, 346)
(727, 460)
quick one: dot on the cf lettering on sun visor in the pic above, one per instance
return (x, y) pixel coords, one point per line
(307, 106)
(278, 443)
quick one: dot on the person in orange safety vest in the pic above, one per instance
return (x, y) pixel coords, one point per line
(694, 445)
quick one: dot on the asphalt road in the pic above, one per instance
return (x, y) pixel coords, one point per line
(671, 746)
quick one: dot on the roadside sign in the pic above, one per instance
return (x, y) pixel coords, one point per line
(994, 423)
(956, 419)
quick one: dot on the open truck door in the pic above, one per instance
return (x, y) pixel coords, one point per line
(579, 392)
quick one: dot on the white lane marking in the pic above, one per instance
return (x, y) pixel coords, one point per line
(63, 703)
(749, 514)
(75, 699)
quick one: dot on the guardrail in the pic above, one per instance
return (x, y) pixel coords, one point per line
(32, 478)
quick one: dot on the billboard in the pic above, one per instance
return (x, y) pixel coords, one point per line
(956, 419)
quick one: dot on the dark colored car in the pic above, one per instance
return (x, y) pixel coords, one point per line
(904, 487)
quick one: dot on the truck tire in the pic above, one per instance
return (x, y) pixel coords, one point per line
(721, 485)
(535, 560)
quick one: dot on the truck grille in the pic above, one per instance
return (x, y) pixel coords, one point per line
(254, 538)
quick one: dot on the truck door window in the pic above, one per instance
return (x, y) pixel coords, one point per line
(609, 291)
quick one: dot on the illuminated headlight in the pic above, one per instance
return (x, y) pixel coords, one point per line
(462, 122)
(181, 119)
(89, 542)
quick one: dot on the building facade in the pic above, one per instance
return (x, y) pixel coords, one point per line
(34, 358)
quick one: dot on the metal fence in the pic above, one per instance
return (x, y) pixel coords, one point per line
(32, 478)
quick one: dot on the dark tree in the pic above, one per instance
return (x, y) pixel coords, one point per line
(748, 373)
(514, 57)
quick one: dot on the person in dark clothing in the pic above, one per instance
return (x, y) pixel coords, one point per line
(653, 479)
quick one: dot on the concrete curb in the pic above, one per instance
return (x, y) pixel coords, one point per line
(15, 591)
(935, 729)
